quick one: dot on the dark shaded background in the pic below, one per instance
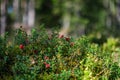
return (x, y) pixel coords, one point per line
(98, 18)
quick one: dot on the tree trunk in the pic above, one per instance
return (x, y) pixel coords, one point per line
(16, 9)
(66, 18)
(3, 16)
(79, 28)
(25, 12)
(65, 25)
(118, 10)
(106, 4)
(31, 13)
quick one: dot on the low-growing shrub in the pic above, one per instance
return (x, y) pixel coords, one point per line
(43, 56)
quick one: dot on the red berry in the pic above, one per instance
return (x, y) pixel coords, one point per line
(47, 66)
(21, 46)
(61, 36)
(67, 39)
(46, 57)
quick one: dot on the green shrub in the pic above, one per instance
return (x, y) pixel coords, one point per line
(43, 56)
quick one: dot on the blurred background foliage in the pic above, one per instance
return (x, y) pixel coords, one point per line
(97, 18)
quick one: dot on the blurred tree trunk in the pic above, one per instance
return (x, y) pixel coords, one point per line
(29, 15)
(16, 9)
(25, 12)
(113, 16)
(118, 10)
(106, 4)
(79, 28)
(66, 18)
(3, 16)
(117, 17)
(71, 18)
(65, 24)
(114, 11)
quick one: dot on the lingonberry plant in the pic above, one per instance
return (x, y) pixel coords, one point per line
(21, 46)
(43, 56)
